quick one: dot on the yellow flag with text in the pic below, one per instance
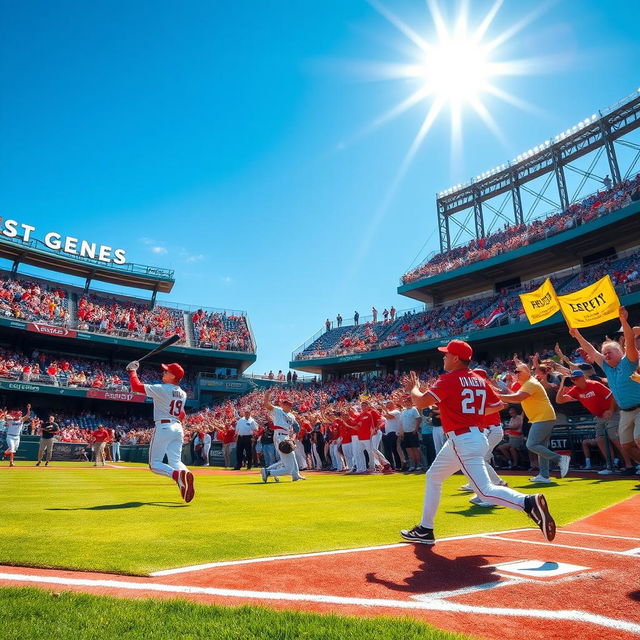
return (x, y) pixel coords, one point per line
(592, 305)
(541, 303)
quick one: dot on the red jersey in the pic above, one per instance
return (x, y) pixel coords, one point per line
(101, 435)
(595, 397)
(365, 423)
(346, 432)
(462, 397)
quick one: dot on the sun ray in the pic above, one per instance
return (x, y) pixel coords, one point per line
(481, 109)
(436, 15)
(486, 22)
(514, 29)
(513, 100)
(403, 27)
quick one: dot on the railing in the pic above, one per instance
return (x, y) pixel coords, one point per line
(132, 267)
(362, 320)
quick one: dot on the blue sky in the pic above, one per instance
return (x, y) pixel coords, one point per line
(232, 141)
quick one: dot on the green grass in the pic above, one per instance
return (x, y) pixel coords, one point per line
(31, 613)
(131, 521)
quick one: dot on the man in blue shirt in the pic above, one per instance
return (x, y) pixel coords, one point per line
(619, 367)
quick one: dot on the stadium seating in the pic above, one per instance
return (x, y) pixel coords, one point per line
(463, 316)
(34, 301)
(129, 319)
(513, 237)
(217, 330)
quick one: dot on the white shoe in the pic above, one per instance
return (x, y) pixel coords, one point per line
(480, 503)
(467, 487)
(410, 469)
(541, 479)
(264, 473)
(605, 472)
(565, 461)
(298, 478)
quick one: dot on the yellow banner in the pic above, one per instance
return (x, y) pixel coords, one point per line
(541, 303)
(592, 305)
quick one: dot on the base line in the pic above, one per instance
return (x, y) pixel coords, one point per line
(561, 546)
(315, 554)
(434, 605)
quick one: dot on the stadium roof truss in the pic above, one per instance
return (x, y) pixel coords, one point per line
(550, 159)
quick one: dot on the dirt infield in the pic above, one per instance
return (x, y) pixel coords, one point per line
(585, 584)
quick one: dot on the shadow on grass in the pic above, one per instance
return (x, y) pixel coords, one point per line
(122, 505)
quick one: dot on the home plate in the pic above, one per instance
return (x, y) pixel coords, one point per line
(538, 568)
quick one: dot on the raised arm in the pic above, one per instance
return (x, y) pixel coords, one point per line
(267, 400)
(561, 397)
(421, 399)
(631, 351)
(589, 349)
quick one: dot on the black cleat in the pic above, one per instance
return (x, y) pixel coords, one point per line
(419, 534)
(537, 509)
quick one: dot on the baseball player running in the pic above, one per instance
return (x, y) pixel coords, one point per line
(464, 398)
(168, 412)
(15, 420)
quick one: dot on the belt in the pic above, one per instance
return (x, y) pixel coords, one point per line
(461, 430)
(166, 421)
(631, 408)
(280, 429)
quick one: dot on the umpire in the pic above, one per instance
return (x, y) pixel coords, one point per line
(245, 428)
(49, 430)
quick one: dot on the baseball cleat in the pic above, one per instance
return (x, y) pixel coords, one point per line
(540, 479)
(467, 487)
(299, 477)
(480, 503)
(564, 465)
(189, 490)
(537, 509)
(419, 534)
(264, 473)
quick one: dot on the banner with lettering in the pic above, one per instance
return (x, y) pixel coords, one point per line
(592, 305)
(52, 330)
(541, 303)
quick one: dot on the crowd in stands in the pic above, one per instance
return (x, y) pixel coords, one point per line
(463, 316)
(130, 319)
(48, 303)
(215, 330)
(515, 236)
(33, 301)
(315, 406)
(45, 368)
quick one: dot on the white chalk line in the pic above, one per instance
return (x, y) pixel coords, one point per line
(599, 535)
(315, 554)
(432, 605)
(560, 546)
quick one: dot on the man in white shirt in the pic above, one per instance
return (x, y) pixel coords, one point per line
(410, 419)
(392, 427)
(14, 421)
(245, 429)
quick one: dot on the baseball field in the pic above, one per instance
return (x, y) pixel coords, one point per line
(120, 523)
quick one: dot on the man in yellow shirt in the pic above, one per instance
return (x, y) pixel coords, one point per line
(542, 416)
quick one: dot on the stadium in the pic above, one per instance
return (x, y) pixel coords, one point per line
(154, 485)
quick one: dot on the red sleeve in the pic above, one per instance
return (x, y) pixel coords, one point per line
(136, 385)
(440, 389)
(182, 415)
(572, 391)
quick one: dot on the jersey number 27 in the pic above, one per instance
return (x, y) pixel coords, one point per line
(470, 399)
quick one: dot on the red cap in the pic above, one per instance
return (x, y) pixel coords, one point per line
(175, 369)
(458, 348)
(287, 400)
(480, 372)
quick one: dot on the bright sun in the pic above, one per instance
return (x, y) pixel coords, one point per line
(455, 70)
(456, 67)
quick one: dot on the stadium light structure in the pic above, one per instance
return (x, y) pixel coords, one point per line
(598, 130)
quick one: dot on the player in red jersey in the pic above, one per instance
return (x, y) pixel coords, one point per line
(464, 398)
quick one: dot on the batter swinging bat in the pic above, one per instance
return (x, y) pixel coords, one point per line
(161, 347)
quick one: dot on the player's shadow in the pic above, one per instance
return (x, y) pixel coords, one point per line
(635, 595)
(122, 505)
(437, 573)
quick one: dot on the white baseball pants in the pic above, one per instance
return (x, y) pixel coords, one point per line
(465, 453)
(347, 450)
(166, 440)
(301, 458)
(438, 438)
(494, 436)
(334, 453)
(287, 465)
(13, 442)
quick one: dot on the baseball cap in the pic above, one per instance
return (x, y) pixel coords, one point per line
(578, 373)
(175, 369)
(287, 400)
(458, 348)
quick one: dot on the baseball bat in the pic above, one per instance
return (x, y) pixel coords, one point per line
(161, 347)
